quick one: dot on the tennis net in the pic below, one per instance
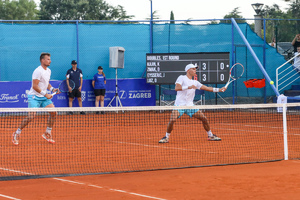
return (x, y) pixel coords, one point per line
(125, 139)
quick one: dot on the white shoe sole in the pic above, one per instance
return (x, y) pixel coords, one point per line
(48, 140)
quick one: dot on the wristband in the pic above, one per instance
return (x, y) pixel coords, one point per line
(43, 93)
(185, 87)
(51, 89)
(216, 89)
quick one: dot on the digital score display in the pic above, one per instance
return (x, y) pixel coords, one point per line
(164, 68)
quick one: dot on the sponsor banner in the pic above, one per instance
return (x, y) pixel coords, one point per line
(131, 92)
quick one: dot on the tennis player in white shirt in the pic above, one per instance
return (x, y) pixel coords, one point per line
(39, 98)
(186, 87)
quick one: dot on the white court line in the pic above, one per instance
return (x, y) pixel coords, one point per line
(248, 125)
(8, 197)
(65, 180)
(150, 197)
(247, 131)
(163, 147)
(85, 184)
(251, 125)
(15, 171)
(111, 189)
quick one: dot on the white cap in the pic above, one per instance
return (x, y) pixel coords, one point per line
(189, 66)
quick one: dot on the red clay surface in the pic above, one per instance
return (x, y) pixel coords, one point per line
(273, 180)
(129, 142)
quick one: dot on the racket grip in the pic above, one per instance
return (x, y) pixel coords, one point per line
(227, 84)
(53, 93)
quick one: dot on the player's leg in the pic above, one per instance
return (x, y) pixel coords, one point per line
(71, 98)
(51, 120)
(33, 102)
(78, 95)
(174, 116)
(79, 101)
(102, 101)
(97, 98)
(71, 101)
(97, 101)
(70, 104)
(102, 95)
(25, 122)
(199, 115)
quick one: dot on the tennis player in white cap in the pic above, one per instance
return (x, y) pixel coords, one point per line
(186, 87)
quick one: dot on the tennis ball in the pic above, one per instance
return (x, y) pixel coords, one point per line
(272, 82)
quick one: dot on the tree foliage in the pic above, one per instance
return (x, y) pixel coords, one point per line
(172, 18)
(282, 30)
(155, 16)
(18, 10)
(234, 14)
(81, 10)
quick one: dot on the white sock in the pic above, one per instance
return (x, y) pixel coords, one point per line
(18, 131)
(168, 135)
(48, 130)
(209, 133)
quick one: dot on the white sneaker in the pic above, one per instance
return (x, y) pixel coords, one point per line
(164, 140)
(214, 138)
(48, 137)
(15, 138)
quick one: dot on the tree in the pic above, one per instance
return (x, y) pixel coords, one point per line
(278, 29)
(172, 18)
(18, 10)
(154, 15)
(234, 14)
(81, 10)
(294, 12)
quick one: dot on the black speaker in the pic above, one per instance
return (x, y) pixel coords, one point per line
(116, 57)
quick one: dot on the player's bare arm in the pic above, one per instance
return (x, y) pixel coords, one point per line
(35, 86)
(211, 89)
(178, 87)
(52, 89)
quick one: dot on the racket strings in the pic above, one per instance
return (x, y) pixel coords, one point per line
(237, 71)
(63, 86)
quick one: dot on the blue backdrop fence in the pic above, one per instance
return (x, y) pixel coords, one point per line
(21, 43)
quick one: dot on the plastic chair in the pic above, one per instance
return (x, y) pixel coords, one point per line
(164, 100)
(201, 100)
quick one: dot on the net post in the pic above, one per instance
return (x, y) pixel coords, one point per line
(285, 138)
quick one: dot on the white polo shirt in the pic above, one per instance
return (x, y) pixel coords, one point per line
(44, 77)
(186, 97)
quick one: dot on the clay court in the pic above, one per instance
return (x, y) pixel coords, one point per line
(272, 180)
(117, 156)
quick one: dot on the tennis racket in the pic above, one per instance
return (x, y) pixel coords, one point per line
(63, 86)
(236, 72)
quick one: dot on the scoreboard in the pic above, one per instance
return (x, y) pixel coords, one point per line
(164, 68)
